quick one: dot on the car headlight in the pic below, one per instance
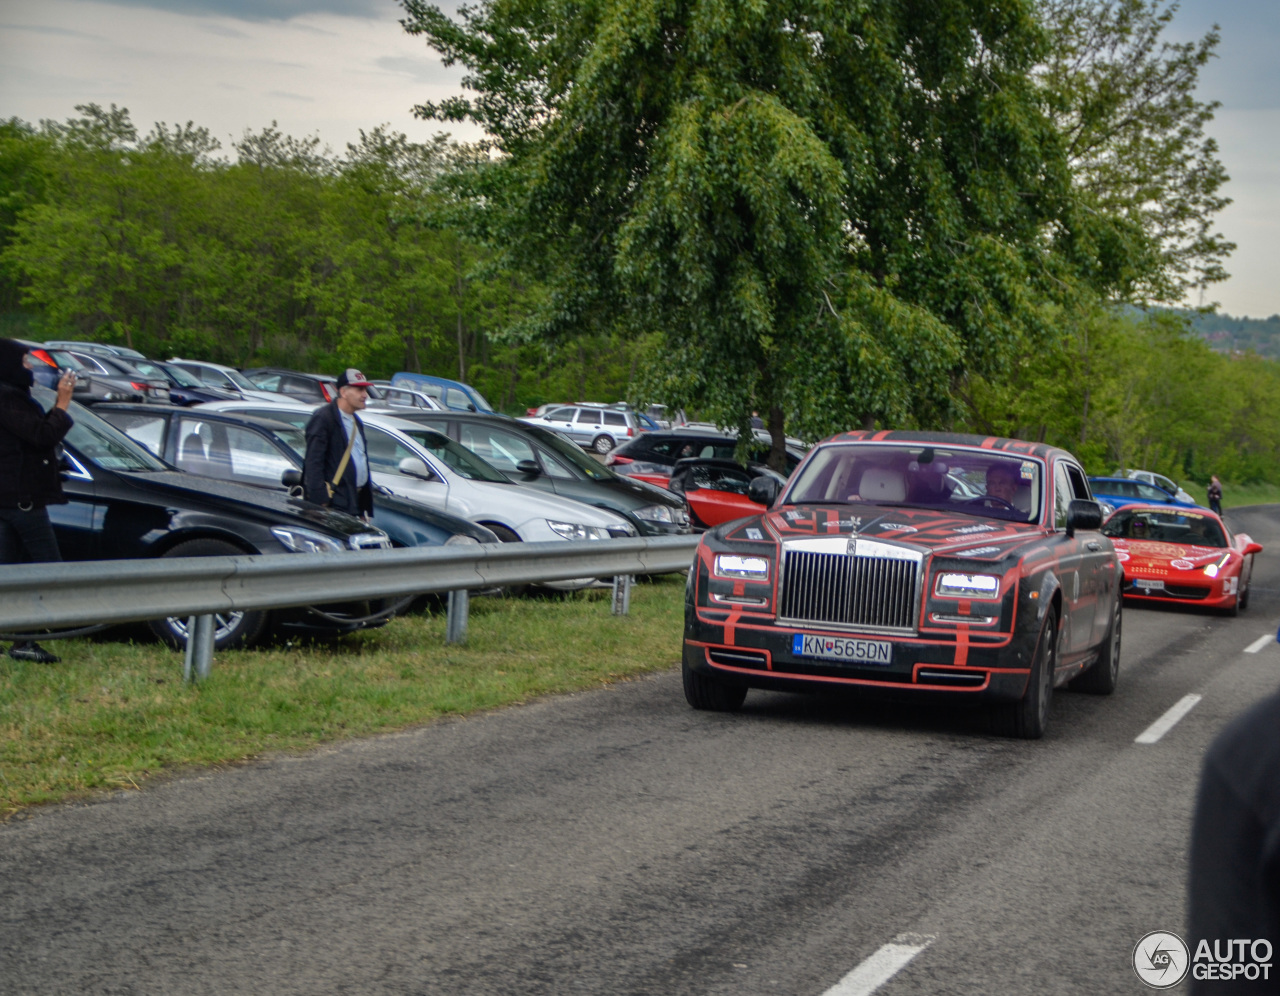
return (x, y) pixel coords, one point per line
(732, 565)
(577, 531)
(968, 586)
(461, 539)
(305, 541)
(1213, 569)
(656, 513)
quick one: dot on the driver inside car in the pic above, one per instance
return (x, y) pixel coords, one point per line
(1003, 483)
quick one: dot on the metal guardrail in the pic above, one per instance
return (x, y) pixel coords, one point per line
(50, 596)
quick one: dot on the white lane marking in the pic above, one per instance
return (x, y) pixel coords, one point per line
(881, 966)
(1259, 643)
(1168, 721)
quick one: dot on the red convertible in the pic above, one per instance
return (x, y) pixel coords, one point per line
(1182, 555)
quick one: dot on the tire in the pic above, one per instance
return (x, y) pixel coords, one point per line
(602, 443)
(1242, 599)
(1028, 718)
(702, 691)
(1101, 678)
(233, 630)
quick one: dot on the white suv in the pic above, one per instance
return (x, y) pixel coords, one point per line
(593, 427)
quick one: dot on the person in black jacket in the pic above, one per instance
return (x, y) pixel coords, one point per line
(29, 478)
(1234, 889)
(328, 479)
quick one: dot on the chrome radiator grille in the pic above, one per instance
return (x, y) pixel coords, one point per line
(876, 592)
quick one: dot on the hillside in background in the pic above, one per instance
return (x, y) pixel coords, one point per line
(1227, 333)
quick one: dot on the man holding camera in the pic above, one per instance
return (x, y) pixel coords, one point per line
(29, 473)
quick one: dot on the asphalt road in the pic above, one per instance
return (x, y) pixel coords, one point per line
(617, 842)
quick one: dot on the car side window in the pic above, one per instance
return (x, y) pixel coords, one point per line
(299, 387)
(554, 468)
(385, 451)
(615, 418)
(255, 459)
(1151, 493)
(588, 416)
(561, 415)
(145, 429)
(268, 382)
(502, 449)
(1079, 486)
(1061, 495)
(456, 399)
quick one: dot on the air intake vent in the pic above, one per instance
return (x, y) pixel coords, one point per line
(738, 658)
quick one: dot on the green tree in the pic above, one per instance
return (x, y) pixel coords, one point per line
(826, 212)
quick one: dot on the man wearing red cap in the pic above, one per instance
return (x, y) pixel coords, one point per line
(336, 470)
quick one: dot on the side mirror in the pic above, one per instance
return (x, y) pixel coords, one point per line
(1082, 514)
(528, 468)
(414, 467)
(763, 490)
(1252, 548)
(291, 478)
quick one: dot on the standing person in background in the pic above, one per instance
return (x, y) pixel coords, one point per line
(1215, 494)
(29, 477)
(335, 471)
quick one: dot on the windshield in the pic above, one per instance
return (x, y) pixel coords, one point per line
(239, 379)
(1189, 528)
(295, 439)
(457, 457)
(152, 370)
(573, 453)
(183, 378)
(104, 445)
(976, 482)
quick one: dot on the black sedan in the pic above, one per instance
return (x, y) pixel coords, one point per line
(124, 502)
(652, 455)
(544, 459)
(265, 453)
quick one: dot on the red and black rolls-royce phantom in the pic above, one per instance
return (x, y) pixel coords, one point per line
(922, 565)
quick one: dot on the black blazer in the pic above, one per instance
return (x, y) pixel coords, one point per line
(29, 438)
(326, 442)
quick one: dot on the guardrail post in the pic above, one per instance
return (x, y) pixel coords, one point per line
(621, 594)
(197, 661)
(455, 630)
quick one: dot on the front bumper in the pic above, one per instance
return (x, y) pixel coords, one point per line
(964, 666)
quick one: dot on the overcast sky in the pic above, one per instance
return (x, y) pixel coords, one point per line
(333, 67)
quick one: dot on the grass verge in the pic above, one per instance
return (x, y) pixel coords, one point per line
(113, 714)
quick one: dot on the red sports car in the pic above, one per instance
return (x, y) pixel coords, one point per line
(1182, 555)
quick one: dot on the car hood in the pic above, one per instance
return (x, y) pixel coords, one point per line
(441, 520)
(625, 492)
(533, 503)
(1183, 556)
(968, 536)
(259, 502)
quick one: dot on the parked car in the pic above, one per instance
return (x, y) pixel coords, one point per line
(717, 491)
(116, 379)
(1160, 481)
(652, 455)
(383, 395)
(543, 459)
(868, 572)
(293, 384)
(267, 453)
(124, 502)
(1117, 492)
(445, 475)
(1182, 555)
(184, 388)
(226, 378)
(101, 348)
(590, 426)
(451, 394)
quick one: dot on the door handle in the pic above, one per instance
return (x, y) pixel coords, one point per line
(1093, 545)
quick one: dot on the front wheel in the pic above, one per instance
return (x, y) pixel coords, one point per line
(703, 691)
(232, 630)
(602, 443)
(1028, 718)
(1101, 678)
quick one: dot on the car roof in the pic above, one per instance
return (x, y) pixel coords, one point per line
(1021, 447)
(216, 416)
(293, 373)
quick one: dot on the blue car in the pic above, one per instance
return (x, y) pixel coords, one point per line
(1120, 491)
(452, 394)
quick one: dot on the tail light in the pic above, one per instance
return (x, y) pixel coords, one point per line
(43, 357)
(324, 391)
(630, 431)
(613, 458)
(144, 388)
